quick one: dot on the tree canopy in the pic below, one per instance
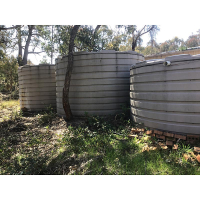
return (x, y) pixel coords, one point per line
(54, 40)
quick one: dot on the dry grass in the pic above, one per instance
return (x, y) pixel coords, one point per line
(43, 143)
(8, 109)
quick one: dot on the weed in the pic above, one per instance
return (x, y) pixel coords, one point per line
(98, 146)
(184, 148)
(16, 114)
(9, 104)
(124, 116)
(47, 116)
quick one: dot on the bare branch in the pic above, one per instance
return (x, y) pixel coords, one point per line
(139, 34)
(17, 26)
(97, 28)
(148, 30)
(78, 47)
(36, 52)
(37, 34)
(141, 30)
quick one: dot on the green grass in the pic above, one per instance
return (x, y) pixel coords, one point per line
(9, 104)
(111, 152)
(9, 109)
(32, 145)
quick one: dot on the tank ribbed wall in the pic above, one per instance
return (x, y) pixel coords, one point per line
(99, 83)
(37, 86)
(167, 97)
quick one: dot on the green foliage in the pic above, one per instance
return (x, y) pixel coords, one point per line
(172, 45)
(193, 41)
(134, 35)
(169, 45)
(44, 60)
(8, 74)
(50, 41)
(182, 48)
(99, 145)
(63, 36)
(149, 50)
(47, 116)
(16, 114)
(184, 148)
(86, 40)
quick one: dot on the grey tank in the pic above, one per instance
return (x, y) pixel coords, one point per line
(99, 82)
(37, 86)
(167, 97)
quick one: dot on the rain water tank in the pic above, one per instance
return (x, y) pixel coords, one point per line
(165, 93)
(99, 82)
(37, 86)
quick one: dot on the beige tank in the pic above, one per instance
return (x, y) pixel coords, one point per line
(99, 82)
(165, 94)
(37, 86)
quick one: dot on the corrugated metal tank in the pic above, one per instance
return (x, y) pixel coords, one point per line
(167, 97)
(37, 86)
(99, 83)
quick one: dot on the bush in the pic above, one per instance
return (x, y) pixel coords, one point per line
(8, 74)
(47, 117)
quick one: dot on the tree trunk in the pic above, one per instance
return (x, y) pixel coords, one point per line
(94, 37)
(66, 104)
(19, 46)
(52, 47)
(133, 46)
(134, 41)
(25, 57)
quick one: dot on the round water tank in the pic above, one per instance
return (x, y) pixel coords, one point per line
(37, 86)
(99, 82)
(165, 93)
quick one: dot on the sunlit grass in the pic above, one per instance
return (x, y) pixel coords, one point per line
(9, 104)
(9, 109)
(98, 146)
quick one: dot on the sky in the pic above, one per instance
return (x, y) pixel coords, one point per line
(176, 18)
(170, 31)
(167, 32)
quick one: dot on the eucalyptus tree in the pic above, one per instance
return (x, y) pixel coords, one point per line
(66, 104)
(5, 38)
(25, 39)
(28, 41)
(2, 45)
(136, 34)
(51, 40)
(77, 38)
(3, 27)
(8, 73)
(172, 45)
(192, 41)
(87, 38)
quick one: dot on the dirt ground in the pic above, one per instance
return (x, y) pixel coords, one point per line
(37, 135)
(42, 143)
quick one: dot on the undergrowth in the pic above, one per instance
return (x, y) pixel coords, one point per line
(32, 143)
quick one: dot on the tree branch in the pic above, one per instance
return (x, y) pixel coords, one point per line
(96, 29)
(17, 26)
(35, 52)
(36, 34)
(139, 34)
(148, 30)
(94, 36)
(30, 31)
(66, 104)
(141, 30)
(78, 47)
